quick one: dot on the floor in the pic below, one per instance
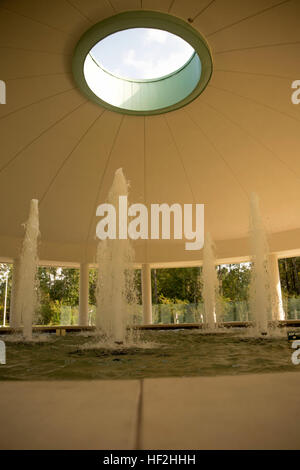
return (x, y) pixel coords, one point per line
(259, 411)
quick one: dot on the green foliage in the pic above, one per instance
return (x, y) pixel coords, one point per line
(60, 284)
(93, 286)
(234, 281)
(49, 313)
(138, 285)
(5, 272)
(289, 269)
(59, 287)
(176, 284)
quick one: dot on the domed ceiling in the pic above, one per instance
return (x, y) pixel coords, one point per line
(242, 134)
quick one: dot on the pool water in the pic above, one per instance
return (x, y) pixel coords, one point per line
(177, 353)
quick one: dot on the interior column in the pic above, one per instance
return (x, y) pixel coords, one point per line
(275, 285)
(14, 316)
(84, 295)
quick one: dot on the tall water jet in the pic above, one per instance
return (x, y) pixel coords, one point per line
(26, 291)
(115, 288)
(260, 296)
(210, 282)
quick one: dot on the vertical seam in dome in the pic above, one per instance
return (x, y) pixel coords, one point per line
(256, 74)
(145, 188)
(248, 17)
(180, 159)
(41, 75)
(111, 5)
(275, 110)
(99, 188)
(19, 152)
(261, 46)
(52, 181)
(79, 11)
(36, 51)
(203, 10)
(35, 20)
(217, 151)
(254, 138)
(36, 102)
(171, 5)
(145, 184)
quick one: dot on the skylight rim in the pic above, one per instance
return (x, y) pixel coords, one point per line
(144, 19)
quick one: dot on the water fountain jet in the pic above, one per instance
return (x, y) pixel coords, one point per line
(26, 291)
(210, 282)
(260, 295)
(116, 294)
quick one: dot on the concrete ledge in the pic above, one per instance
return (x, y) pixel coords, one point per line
(69, 415)
(259, 411)
(162, 326)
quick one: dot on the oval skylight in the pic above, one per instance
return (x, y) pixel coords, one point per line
(142, 62)
(142, 53)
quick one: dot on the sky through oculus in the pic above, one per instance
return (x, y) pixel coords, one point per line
(142, 53)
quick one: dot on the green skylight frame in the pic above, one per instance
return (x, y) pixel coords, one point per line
(151, 96)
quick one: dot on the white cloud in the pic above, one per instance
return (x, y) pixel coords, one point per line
(130, 59)
(156, 35)
(153, 67)
(142, 53)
